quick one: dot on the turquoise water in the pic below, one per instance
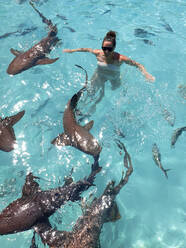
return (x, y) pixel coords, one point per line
(152, 207)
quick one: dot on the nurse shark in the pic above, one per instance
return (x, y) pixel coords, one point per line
(7, 135)
(86, 231)
(36, 55)
(74, 134)
(36, 204)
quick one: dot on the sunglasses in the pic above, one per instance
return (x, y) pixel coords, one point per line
(109, 49)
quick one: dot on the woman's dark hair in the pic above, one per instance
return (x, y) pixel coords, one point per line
(110, 36)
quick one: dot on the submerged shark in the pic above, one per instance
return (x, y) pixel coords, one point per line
(76, 135)
(36, 205)
(176, 134)
(86, 232)
(7, 135)
(157, 159)
(37, 54)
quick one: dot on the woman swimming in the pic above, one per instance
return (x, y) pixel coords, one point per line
(108, 64)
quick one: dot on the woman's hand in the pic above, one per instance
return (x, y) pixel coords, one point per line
(149, 77)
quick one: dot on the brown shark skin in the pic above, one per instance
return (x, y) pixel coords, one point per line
(7, 135)
(33, 56)
(35, 204)
(87, 230)
(36, 55)
(76, 135)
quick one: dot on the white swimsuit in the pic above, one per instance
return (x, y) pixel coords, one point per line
(108, 67)
(104, 72)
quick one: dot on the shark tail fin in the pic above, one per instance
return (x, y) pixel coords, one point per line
(44, 19)
(86, 81)
(75, 98)
(113, 213)
(165, 171)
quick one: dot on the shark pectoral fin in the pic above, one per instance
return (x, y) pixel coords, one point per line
(15, 52)
(113, 213)
(89, 125)
(15, 118)
(46, 61)
(41, 227)
(61, 140)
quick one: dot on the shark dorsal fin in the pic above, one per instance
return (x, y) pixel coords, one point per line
(31, 186)
(15, 52)
(89, 125)
(113, 213)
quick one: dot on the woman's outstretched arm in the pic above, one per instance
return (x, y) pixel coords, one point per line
(129, 61)
(90, 50)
